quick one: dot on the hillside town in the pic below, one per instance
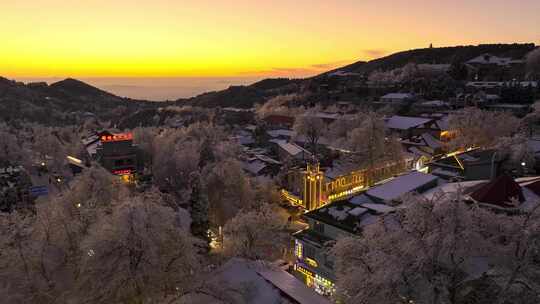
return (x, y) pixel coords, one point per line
(417, 183)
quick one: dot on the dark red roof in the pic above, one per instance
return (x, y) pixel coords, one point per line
(276, 119)
(534, 187)
(499, 192)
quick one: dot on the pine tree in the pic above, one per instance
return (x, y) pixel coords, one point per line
(199, 210)
(207, 154)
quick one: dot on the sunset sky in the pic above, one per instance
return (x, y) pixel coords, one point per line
(203, 38)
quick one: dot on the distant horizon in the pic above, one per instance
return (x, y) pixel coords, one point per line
(163, 88)
(153, 88)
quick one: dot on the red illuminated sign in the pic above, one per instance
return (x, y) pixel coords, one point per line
(122, 172)
(117, 137)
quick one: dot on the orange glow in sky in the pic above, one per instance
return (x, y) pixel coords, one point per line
(192, 38)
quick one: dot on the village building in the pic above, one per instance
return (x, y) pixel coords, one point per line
(290, 150)
(392, 191)
(267, 284)
(469, 165)
(406, 126)
(488, 59)
(424, 145)
(313, 265)
(282, 134)
(500, 194)
(261, 165)
(397, 98)
(433, 106)
(277, 121)
(237, 116)
(314, 187)
(347, 218)
(519, 110)
(114, 152)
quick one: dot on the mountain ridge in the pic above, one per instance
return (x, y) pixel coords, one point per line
(74, 95)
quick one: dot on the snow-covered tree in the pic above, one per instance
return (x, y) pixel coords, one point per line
(441, 251)
(370, 144)
(207, 153)
(77, 249)
(200, 223)
(311, 128)
(475, 127)
(254, 234)
(174, 162)
(12, 150)
(533, 64)
(229, 190)
(517, 154)
(137, 253)
(280, 105)
(145, 139)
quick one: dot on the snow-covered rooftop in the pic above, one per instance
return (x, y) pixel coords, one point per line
(397, 96)
(234, 275)
(292, 287)
(360, 200)
(443, 123)
(291, 148)
(434, 103)
(401, 185)
(254, 167)
(534, 145)
(281, 132)
(380, 208)
(339, 214)
(491, 59)
(431, 141)
(357, 211)
(404, 122)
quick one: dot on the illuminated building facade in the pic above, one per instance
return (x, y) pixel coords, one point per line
(313, 265)
(313, 187)
(117, 154)
(318, 190)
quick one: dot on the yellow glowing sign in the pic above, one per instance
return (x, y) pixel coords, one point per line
(304, 271)
(345, 193)
(298, 250)
(355, 178)
(311, 262)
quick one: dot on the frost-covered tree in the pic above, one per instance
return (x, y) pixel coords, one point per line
(229, 190)
(200, 223)
(255, 234)
(137, 253)
(478, 128)
(145, 139)
(280, 104)
(311, 128)
(12, 149)
(516, 153)
(206, 153)
(96, 248)
(53, 145)
(174, 162)
(442, 251)
(370, 144)
(533, 64)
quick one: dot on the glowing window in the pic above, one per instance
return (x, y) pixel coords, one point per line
(298, 250)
